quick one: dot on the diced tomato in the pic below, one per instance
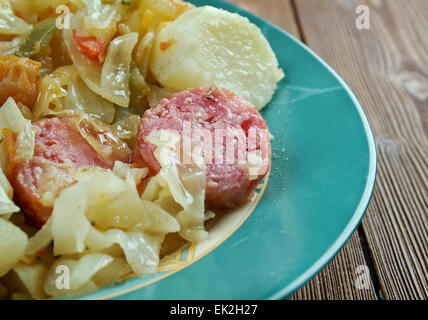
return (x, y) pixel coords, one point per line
(42, 252)
(165, 45)
(89, 46)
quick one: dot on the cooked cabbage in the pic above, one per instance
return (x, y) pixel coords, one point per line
(116, 70)
(9, 48)
(185, 182)
(38, 7)
(115, 271)
(100, 136)
(11, 118)
(126, 126)
(157, 94)
(111, 80)
(64, 89)
(125, 170)
(10, 24)
(103, 200)
(5, 185)
(167, 9)
(81, 98)
(33, 278)
(7, 206)
(87, 267)
(80, 272)
(139, 90)
(39, 241)
(116, 67)
(98, 17)
(51, 90)
(141, 249)
(144, 49)
(13, 242)
(125, 209)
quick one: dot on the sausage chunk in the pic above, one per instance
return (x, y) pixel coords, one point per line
(62, 145)
(229, 120)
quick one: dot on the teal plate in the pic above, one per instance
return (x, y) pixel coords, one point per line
(322, 177)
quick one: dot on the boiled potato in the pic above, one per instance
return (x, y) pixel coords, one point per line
(13, 242)
(209, 46)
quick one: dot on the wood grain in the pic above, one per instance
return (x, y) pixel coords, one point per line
(387, 67)
(337, 280)
(279, 12)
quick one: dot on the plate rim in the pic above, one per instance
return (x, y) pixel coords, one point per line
(288, 289)
(367, 194)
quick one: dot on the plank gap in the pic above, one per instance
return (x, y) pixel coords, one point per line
(370, 263)
(298, 21)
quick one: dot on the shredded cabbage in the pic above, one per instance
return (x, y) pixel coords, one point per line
(80, 276)
(81, 98)
(64, 89)
(51, 90)
(100, 136)
(87, 267)
(125, 170)
(11, 118)
(103, 200)
(141, 249)
(116, 70)
(98, 17)
(186, 183)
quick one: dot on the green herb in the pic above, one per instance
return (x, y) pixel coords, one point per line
(38, 39)
(212, 90)
(126, 3)
(209, 95)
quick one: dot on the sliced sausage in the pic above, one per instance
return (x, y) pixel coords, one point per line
(62, 145)
(228, 183)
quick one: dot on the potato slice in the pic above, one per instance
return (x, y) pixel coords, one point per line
(208, 46)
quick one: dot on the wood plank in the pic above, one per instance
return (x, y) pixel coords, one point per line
(337, 280)
(279, 12)
(387, 67)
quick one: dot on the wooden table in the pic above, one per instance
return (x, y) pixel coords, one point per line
(387, 68)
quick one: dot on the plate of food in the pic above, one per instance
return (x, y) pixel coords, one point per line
(162, 149)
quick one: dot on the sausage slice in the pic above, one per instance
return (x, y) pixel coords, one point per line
(62, 145)
(226, 122)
